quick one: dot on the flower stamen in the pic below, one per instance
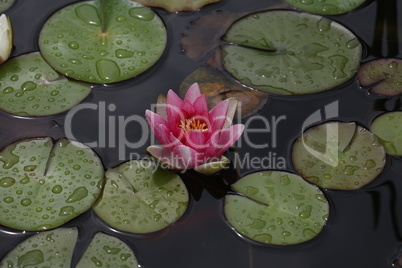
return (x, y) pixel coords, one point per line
(189, 125)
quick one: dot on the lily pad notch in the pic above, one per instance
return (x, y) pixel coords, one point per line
(103, 41)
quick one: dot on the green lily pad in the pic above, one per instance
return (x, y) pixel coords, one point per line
(6, 4)
(140, 197)
(337, 155)
(277, 208)
(384, 74)
(44, 184)
(287, 52)
(30, 87)
(177, 5)
(107, 251)
(327, 7)
(103, 43)
(388, 128)
(46, 249)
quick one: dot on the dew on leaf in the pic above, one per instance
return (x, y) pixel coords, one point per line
(327, 7)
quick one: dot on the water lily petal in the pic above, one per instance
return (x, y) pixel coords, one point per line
(158, 126)
(196, 140)
(228, 137)
(173, 99)
(188, 109)
(187, 157)
(164, 156)
(192, 93)
(212, 167)
(231, 111)
(201, 106)
(218, 115)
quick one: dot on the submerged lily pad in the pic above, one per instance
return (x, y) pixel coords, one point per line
(385, 75)
(217, 88)
(388, 128)
(140, 197)
(327, 7)
(30, 87)
(6, 4)
(47, 249)
(103, 44)
(277, 208)
(287, 52)
(107, 251)
(177, 5)
(44, 184)
(337, 155)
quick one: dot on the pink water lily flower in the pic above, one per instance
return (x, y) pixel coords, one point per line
(191, 136)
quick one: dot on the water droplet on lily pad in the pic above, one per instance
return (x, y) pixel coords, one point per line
(125, 193)
(275, 218)
(324, 151)
(327, 7)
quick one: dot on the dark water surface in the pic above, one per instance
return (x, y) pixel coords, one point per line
(364, 227)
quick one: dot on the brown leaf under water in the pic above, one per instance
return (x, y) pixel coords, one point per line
(177, 5)
(217, 87)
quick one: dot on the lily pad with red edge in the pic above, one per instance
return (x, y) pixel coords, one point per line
(336, 155)
(107, 251)
(44, 184)
(177, 5)
(388, 128)
(30, 87)
(288, 52)
(103, 41)
(6, 4)
(327, 7)
(46, 249)
(383, 75)
(276, 208)
(216, 87)
(141, 197)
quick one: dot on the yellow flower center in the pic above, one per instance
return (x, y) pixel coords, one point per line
(189, 125)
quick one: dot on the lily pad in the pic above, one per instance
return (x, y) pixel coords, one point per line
(327, 7)
(44, 184)
(388, 128)
(337, 155)
(384, 75)
(140, 197)
(30, 87)
(177, 5)
(216, 87)
(288, 52)
(107, 251)
(103, 43)
(6, 38)
(277, 208)
(6, 4)
(47, 249)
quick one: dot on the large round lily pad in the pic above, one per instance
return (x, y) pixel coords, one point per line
(326, 7)
(30, 87)
(6, 4)
(337, 155)
(103, 41)
(140, 197)
(107, 251)
(388, 128)
(277, 208)
(177, 5)
(384, 75)
(287, 52)
(47, 249)
(45, 184)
